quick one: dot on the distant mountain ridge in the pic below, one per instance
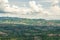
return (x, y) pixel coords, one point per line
(25, 21)
(18, 18)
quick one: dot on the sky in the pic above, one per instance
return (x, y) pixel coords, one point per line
(32, 9)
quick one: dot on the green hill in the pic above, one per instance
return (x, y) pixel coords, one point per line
(41, 22)
(28, 29)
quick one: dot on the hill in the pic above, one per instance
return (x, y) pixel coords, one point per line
(24, 21)
(21, 29)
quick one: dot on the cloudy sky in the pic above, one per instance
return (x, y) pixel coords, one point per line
(46, 9)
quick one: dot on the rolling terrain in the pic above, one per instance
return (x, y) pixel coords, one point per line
(28, 29)
(24, 21)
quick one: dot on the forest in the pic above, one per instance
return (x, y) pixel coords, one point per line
(29, 32)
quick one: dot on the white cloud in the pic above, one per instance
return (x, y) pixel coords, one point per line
(35, 11)
(55, 9)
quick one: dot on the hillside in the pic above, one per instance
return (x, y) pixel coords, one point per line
(40, 22)
(28, 29)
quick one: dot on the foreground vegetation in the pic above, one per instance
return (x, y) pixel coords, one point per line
(29, 32)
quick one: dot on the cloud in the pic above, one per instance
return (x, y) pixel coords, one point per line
(55, 9)
(34, 11)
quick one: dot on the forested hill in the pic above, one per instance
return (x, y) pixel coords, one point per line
(25, 21)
